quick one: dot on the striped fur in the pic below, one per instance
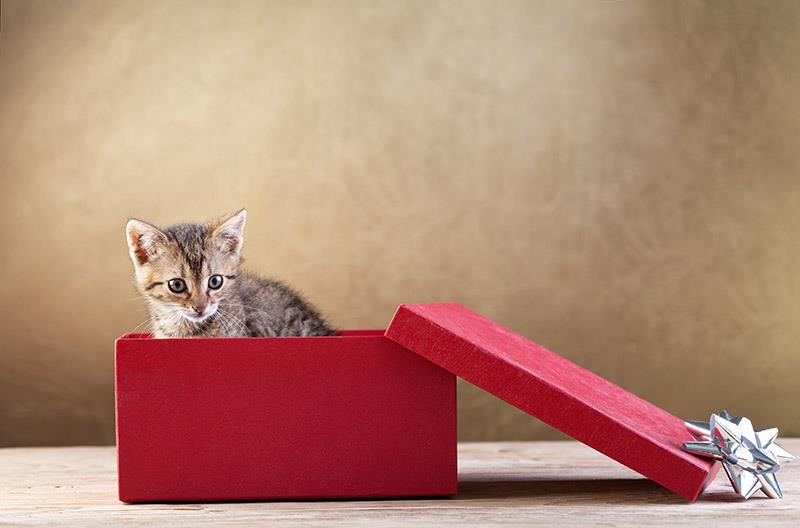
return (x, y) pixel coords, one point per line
(244, 306)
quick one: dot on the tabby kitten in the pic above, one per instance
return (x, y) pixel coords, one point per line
(190, 277)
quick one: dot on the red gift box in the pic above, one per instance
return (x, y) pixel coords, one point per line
(361, 414)
(353, 415)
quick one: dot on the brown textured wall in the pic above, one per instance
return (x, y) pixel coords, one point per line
(618, 181)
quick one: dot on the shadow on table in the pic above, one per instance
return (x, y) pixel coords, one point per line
(607, 491)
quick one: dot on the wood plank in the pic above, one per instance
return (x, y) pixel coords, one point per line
(513, 483)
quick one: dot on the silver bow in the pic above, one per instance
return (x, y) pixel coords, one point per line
(750, 458)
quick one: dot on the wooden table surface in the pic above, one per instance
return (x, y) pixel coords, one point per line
(513, 483)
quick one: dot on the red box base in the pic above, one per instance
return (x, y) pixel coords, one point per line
(347, 416)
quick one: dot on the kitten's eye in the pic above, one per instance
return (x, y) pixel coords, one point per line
(215, 282)
(176, 285)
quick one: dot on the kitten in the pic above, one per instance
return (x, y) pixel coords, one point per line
(190, 277)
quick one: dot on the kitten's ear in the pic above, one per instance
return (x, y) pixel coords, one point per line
(144, 240)
(228, 232)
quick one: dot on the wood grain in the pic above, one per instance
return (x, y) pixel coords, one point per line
(513, 483)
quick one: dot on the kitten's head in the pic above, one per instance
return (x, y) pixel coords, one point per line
(185, 270)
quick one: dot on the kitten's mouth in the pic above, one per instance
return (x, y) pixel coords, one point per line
(193, 317)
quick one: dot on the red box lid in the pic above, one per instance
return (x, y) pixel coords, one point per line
(583, 405)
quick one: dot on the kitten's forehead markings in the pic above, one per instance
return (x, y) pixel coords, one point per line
(190, 241)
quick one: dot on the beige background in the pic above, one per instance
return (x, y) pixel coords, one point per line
(619, 181)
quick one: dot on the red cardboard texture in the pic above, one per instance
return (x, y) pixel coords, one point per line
(354, 415)
(583, 405)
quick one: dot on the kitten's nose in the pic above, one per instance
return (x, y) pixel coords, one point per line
(199, 309)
